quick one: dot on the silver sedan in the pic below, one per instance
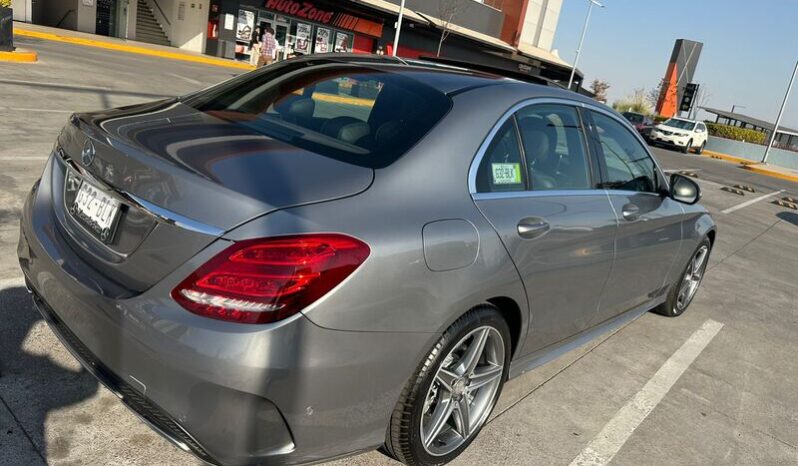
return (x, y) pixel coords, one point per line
(337, 254)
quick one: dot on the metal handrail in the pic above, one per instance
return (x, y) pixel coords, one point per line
(163, 15)
(58, 25)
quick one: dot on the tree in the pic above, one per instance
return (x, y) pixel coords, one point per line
(5, 3)
(447, 10)
(599, 89)
(652, 96)
(637, 102)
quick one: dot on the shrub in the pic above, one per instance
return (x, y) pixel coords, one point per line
(659, 118)
(735, 133)
(5, 3)
(630, 106)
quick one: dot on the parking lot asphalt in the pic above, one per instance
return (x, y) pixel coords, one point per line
(714, 386)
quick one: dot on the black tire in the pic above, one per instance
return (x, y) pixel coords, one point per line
(700, 149)
(673, 306)
(403, 440)
(686, 148)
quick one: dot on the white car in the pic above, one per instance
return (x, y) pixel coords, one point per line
(680, 133)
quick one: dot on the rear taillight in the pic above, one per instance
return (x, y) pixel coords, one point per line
(266, 280)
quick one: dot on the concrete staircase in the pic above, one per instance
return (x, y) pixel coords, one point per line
(147, 27)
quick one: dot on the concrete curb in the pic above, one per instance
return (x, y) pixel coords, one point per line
(19, 56)
(772, 172)
(755, 167)
(131, 49)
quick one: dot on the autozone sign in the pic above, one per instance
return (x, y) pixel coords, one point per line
(304, 10)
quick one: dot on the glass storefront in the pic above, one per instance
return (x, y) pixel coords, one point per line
(295, 36)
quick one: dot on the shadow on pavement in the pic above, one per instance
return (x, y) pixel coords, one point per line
(32, 383)
(788, 217)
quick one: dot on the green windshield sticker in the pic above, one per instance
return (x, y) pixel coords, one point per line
(506, 173)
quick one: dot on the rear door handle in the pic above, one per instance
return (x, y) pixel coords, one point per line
(532, 227)
(630, 212)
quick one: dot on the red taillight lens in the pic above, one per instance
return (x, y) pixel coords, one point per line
(266, 280)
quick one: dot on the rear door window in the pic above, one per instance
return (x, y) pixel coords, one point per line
(353, 113)
(554, 147)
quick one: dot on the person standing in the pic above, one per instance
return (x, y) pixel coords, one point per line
(268, 47)
(254, 46)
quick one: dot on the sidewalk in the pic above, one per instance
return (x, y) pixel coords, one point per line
(121, 45)
(756, 167)
(775, 172)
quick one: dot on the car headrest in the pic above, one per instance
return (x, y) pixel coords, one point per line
(297, 107)
(388, 131)
(347, 129)
(537, 137)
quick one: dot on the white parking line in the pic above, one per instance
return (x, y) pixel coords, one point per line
(612, 437)
(752, 201)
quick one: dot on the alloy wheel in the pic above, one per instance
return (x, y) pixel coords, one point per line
(462, 393)
(692, 278)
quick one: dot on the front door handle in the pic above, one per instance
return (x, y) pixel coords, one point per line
(532, 227)
(630, 212)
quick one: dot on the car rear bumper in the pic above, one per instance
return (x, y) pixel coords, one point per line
(284, 393)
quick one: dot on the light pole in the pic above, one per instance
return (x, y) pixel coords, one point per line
(781, 111)
(582, 39)
(398, 28)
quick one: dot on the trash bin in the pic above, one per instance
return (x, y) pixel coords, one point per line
(6, 30)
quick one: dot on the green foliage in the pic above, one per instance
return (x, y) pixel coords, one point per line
(5, 3)
(624, 105)
(634, 103)
(735, 133)
(659, 118)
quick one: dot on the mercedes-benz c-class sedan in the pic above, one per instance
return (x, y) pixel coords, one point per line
(337, 254)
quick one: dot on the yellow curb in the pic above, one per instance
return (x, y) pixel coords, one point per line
(758, 168)
(342, 99)
(19, 56)
(132, 49)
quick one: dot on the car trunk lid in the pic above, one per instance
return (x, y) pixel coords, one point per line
(184, 178)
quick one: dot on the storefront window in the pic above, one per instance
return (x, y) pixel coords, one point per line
(245, 26)
(294, 36)
(322, 44)
(343, 42)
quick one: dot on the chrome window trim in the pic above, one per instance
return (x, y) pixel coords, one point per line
(542, 193)
(477, 160)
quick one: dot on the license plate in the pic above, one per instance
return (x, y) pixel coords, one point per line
(96, 210)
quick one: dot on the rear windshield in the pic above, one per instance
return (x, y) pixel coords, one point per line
(353, 113)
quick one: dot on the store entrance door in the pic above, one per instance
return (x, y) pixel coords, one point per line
(112, 18)
(105, 17)
(280, 25)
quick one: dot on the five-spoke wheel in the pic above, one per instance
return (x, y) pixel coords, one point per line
(460, 397)
(685, 289)
(454, 390)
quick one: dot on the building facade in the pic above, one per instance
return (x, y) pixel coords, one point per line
(515, 35)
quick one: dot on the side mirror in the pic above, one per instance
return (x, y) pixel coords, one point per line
(684, 190)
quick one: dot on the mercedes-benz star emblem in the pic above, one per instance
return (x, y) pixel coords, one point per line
(87, 155)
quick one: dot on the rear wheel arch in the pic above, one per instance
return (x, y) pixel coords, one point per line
(511, 312)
